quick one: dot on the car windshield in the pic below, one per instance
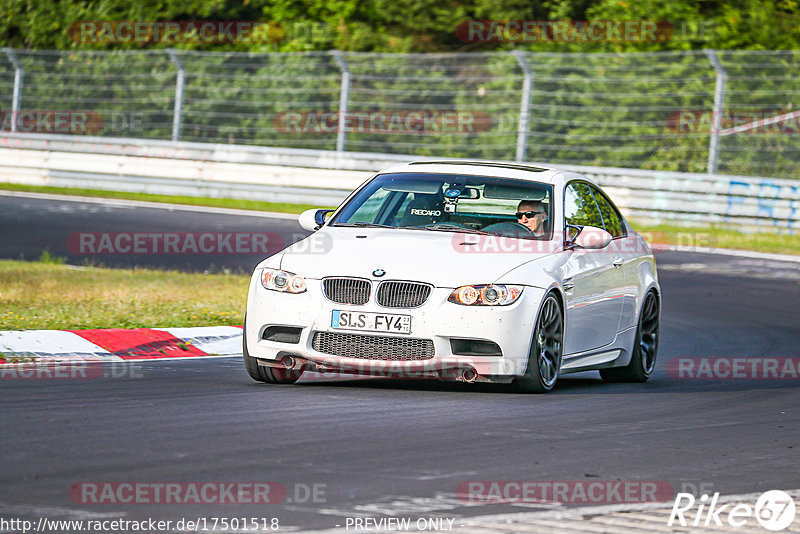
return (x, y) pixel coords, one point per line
(452, 203)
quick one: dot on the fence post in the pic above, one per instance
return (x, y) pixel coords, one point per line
(719, 104)
(17, 95)
(525, 105)
(344, 98)
(179, 82)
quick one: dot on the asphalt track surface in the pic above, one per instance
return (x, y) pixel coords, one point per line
(399, 447)
(30, 225)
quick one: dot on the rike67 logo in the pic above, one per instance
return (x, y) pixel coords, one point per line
(774, 510)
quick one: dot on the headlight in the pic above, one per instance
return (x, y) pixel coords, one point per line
(283, 281)
(485, 295)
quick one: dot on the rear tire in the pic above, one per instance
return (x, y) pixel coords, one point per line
(270, 375)
(544, 356)
(645, 346)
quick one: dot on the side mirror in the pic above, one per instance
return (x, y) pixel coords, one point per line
(313, 219)
(592, 237)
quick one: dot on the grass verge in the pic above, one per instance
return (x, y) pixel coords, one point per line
(714, 236)
(53, 296)
(234, 203)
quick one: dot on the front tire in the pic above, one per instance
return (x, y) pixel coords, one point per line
(645, 346)
(544, 356)
(270, 375)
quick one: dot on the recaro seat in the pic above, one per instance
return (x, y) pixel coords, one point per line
(424, 209)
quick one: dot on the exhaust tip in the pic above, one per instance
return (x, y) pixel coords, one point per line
(469, 375)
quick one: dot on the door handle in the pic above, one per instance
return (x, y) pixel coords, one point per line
(568, 285)
(618, 262)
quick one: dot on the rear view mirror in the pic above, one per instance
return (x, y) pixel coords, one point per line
(506, 192)
(471, 193)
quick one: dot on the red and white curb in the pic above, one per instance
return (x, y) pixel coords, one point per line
(119, 344)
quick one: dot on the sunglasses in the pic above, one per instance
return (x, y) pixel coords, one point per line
(529, 214)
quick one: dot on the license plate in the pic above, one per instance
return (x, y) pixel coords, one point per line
(373, 322)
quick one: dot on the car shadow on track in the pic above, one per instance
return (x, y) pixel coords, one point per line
(574, 385)
(580, 383)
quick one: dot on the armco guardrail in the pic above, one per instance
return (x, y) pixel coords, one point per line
(325, 177)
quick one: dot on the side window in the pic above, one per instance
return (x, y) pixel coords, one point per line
(610, 215)
(580, 208)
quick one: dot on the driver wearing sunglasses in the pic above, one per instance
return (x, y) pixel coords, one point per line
(532, 214)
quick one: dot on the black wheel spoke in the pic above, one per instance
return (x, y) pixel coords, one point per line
(547, 366)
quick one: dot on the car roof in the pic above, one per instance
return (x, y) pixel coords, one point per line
(497, 169)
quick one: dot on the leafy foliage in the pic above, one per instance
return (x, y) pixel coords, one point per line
(413, 25)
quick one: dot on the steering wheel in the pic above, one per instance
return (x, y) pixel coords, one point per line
(508, 229)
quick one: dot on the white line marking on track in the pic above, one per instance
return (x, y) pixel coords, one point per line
(180, 358)
(118, 202)
(730, 252)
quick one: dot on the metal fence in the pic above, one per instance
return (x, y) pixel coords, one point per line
(731, 112)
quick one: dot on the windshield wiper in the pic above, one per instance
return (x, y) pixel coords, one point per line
(454, 228)
(364, 225)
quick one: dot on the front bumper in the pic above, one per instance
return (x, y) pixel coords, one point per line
(438, 320)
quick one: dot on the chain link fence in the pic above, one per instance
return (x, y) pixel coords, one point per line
(732, 112)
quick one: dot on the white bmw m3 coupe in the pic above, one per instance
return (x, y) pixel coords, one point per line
(459, 270)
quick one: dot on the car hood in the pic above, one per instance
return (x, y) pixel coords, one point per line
(443, 259)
